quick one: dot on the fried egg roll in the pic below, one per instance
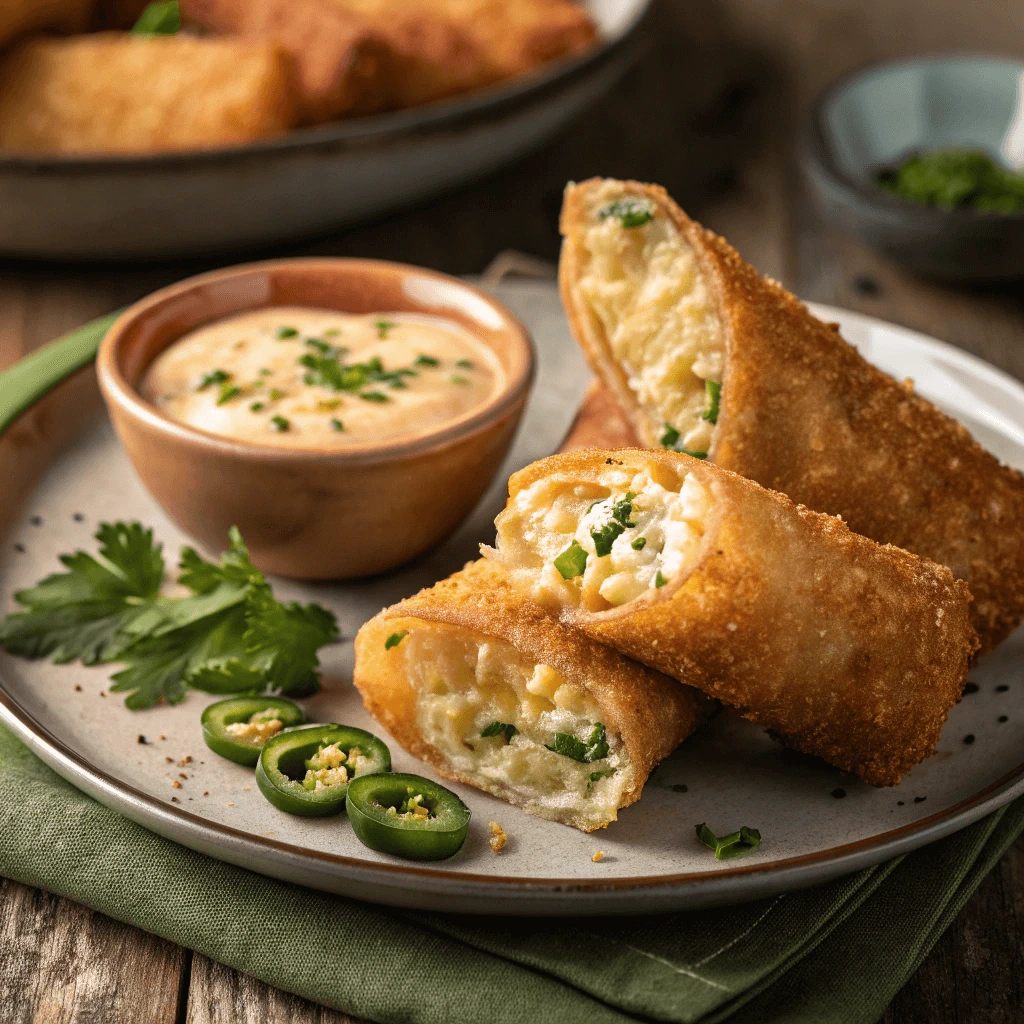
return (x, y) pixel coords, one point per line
(706, 355)
(20, 16)
(113, 92)
(477, 680)
(846, 649)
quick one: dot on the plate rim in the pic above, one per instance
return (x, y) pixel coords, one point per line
(558, 894)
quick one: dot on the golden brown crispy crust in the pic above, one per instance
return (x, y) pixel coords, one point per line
(804, 413)
(849, 650)
(650, 712)
(20, 16)
(115, 93)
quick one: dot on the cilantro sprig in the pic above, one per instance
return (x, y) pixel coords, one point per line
(229, 635)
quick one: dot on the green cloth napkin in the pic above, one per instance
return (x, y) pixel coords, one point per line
(836, 953)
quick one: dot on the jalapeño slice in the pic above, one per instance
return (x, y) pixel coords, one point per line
(307, 770)
(407, 815)
(238, 728)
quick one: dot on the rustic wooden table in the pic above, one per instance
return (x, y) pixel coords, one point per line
(710, 113)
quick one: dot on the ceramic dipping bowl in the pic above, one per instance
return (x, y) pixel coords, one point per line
(309, 513)
(875, 118)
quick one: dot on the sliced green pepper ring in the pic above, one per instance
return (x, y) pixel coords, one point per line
(224, 725)
(382, 809)
(307, 770)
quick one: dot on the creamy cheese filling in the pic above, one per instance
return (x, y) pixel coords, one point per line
(658, 316)
(468, 685)
(600, 545)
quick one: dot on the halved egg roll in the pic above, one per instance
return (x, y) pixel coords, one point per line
(844, 648)
(475, 679)
(706, 355)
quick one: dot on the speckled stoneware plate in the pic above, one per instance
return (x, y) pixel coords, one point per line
(816, 822)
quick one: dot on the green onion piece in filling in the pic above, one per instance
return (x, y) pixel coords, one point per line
(383, 326)
(213, 377)
(374, 396)
(422, 360)
(276, 394)
(669, 436)
(466, 364)
(736, 844)
(266, 371)
(457, 378)
(714, 392)
(332, 332)
(693, 454)
(337, 425)
(227, 392)
(159, 19)
(605, 537)
(622, 510)
(638, 544)
(279, 423)
(395, 639)
(255, 406)
(500, 729)
(632, 213)
(286, 332)
(659, 580)
(572, 562)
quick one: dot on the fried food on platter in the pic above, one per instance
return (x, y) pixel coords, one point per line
(443, 670)
(705, 354)
(20, 16)
(363, 56)
(846, 649)
(117, 93)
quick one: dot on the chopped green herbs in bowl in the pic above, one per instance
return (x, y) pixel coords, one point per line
(955, 179)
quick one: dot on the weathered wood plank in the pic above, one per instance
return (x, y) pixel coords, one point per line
(219, 995)
(61, 963)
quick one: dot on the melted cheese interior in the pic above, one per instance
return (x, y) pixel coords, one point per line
(658, 316)
(465, 681)
(650, 539)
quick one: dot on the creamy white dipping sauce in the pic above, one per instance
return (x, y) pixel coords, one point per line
(315, 378)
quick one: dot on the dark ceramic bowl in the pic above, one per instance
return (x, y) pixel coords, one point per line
(881, 114)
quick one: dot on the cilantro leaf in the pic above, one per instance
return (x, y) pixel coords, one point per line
(594, 749)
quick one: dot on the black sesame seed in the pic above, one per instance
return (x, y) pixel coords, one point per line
(78, 517)
(899, 803)
(920, 799)
(1002, 689)
(1003, 718)
(969, 738)
(970, 688)
(20, 548)
(865, 284)
(839, 793)
(141, 739)
(36, 520)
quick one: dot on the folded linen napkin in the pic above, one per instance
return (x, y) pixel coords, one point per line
(835, 953)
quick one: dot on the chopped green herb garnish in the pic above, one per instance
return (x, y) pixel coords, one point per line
(337, 425)
(255, 406)
(572, 561)
(714, 392)
(383, 326)
(286, 332)
(279, 423)
(639, 543)
(321, 346)
(275, 394)
(266, 371)
(622, 510)
(568, 745)
(692, 453)
(737, 844)
(669, 436)
(227, 392)
(325, 371)
(632, 213)
(500, 729)
(457, 378)
(374, 396)
(422, 360)
(228, 635)
(213, 377)
(394, 639)
(466, 364)
(956, 178)
(659, 580)
(332, 332)
(605, 537)
(159, 19)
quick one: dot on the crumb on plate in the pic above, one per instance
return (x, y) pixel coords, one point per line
(598, 856)
(498, 836)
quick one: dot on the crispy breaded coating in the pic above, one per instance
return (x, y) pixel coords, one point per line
(801, 411)
(364, 56)
(477, 610)
(117, 93)
(20, 16)
(846, 649)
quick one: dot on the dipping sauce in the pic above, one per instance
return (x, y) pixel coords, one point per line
(316, 378)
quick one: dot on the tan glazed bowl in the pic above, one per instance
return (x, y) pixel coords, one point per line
(309, 513)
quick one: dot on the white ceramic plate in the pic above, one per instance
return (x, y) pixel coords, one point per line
(305, 182)
(732, 773)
